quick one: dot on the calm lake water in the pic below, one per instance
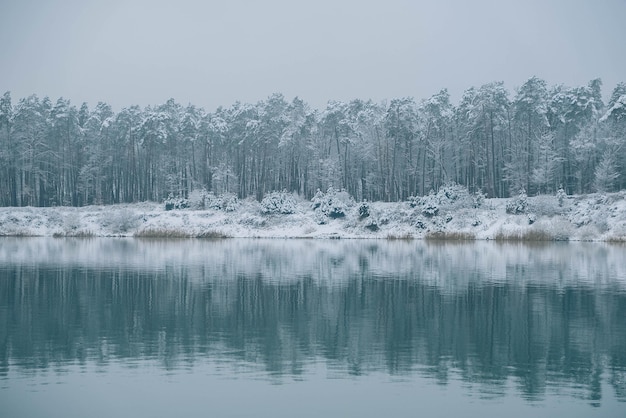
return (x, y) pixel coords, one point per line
(308, 328)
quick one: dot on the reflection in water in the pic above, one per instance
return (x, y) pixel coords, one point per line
(544, 317)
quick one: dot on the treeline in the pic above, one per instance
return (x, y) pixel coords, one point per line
(539, 139)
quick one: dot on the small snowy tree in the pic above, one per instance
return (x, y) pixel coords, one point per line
(478, 199)
(560, 196)
(333, 204)
(228, 202)
(518, 204)
(364, 210)
(176, 203)
(278, 203)
(318, 199)
(430, 206)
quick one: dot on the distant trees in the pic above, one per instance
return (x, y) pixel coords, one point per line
(537, 140)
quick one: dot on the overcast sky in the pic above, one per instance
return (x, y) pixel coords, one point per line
(213, 53)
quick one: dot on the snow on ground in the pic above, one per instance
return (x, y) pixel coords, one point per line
(595, 217)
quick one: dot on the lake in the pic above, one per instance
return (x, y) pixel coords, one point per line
(109, 327)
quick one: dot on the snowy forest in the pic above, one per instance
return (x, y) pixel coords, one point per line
(538, 139)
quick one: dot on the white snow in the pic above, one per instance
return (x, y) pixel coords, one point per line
(595, 217)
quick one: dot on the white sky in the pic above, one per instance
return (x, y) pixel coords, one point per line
(213, 53)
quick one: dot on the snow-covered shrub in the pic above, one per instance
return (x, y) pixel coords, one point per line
(601, 221)
(71, 222)
(478, 199)
(452, 193)
(333, 204)
(560, 229)
(372, 225)
(228, 202)
(587, 233)
(561, 196)
(254, 221)
(319, 218)
(414, 201)
(364, 210)
(197, 199)
(318, 199)
(278, 202)
(419, 223)
(518, 204)
(430, 206)
(451, 197)
(618, 234)
(120, 221)
(176, 203)
(544, 205)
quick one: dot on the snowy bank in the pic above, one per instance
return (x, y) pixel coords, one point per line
(449, 214)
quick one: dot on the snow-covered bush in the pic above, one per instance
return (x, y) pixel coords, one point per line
(561, 196)
(430, 206)
(517, 205)
(176, 203)
(253, 221)
(120, 221)
(419, 223)
(319, 218)
(197, 199)
(228, 202)
(333, 204)
(478, 199)
(560, 229)
(364, 210)
(601, 221)
(452, 193)
(414, 201)
(544, 205)
(450, 197)
(318, 199)
(278, 203)
(71, 222)
(372, 225)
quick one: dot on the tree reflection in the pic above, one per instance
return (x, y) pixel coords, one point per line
(441, 320)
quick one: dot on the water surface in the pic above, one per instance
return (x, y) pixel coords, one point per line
(130, 328)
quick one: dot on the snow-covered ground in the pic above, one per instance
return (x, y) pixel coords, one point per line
(596, 217)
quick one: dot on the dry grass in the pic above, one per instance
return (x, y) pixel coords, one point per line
(529, 235)
(405, 237)
(18, 233)
(212, 235)
(161, 233)
(76, 234)
(450, 236)
(177, 233)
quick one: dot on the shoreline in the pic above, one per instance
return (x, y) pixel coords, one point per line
(587, 218)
